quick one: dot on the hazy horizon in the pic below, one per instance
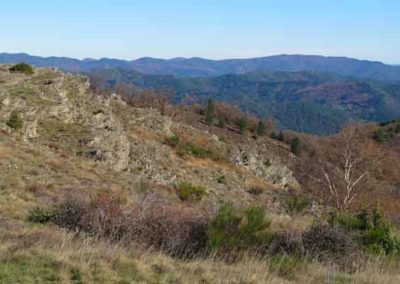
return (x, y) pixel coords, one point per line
(192, 57)
(365, 30)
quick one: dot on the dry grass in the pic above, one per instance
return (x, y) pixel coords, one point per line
(43, 254)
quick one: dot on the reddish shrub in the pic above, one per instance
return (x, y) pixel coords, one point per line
(179, 231)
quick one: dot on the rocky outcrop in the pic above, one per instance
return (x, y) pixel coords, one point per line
(262, 163)
(58, 111)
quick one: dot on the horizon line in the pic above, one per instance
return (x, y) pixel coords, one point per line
(198, 57)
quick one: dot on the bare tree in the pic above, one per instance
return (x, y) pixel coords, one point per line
(343, 167)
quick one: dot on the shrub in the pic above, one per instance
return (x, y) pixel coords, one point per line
(294, 204)
(41, 215)
(379, 237)
(101, 216)
(221, 179)
(172, 141)
(371, 231)
(15, 122)
(256, 190)
(267, 163)
(196, 151)
(327, 243)
(199, 152)
(179, 231)
(295, 146)
(22, 68)
(231, 230)
(187, 191)
(350, 221)
(287, 243)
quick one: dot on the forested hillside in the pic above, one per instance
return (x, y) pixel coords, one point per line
(300, 101)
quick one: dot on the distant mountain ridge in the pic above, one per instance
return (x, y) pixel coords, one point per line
(200, 67)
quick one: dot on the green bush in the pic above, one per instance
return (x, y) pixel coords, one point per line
(371, 231)
(22, 68)
(350, 221)
(233, 230)
(15, 122)
(41, 215)
(379, 237)
(199, 152)
(196, 151)
(172, 141)
(295, 204)
(187, 191)
(382, 135)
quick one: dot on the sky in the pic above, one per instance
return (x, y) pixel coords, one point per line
(216, 29)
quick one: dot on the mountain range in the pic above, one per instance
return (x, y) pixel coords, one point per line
(200, 67)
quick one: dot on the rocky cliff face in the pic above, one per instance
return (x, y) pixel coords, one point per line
(57, 110)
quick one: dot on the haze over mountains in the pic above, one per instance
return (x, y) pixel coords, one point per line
(313, 94)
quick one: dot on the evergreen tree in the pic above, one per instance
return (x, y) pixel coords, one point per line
(242, 124)
(260, 128)
(221, 121)
(397, 129)
(281, 136)
(382, 135)
(295, 146)
(209, 115)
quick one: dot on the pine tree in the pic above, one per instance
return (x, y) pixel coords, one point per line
(209, 115)
(281, 136)
(397, 129)
(242, 124)
(295, 146)
(260, 128)
(221, 121)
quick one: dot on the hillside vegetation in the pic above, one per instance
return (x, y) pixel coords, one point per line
(299, 101)
(95, 189)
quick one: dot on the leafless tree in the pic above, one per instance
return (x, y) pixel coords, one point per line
(344, 166)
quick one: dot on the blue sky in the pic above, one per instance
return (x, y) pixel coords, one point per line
(366, 29)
